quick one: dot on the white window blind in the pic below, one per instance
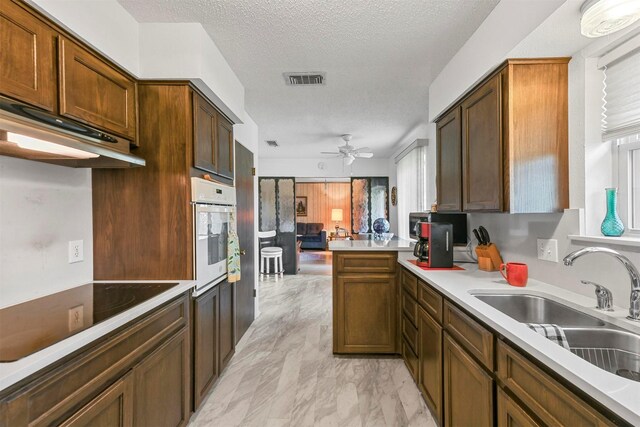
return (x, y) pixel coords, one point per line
(621, 100)
(412, 187)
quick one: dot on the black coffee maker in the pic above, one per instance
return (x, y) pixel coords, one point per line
(434, 248)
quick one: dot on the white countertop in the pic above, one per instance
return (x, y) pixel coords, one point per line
(394, 244)
(12, 372)
(620, 395)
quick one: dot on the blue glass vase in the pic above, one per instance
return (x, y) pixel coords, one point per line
(612, 224)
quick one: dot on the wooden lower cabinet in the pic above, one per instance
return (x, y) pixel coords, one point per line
(111, 408)
(510, 414)
(468, 389)
(365, 314)
(141, 373)
(162, 385)
(227, 326)
(206, 368)
(430, 363)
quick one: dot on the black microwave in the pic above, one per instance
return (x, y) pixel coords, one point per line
(458, 220)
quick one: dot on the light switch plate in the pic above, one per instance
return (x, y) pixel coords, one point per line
(76, 251)
(548, 250)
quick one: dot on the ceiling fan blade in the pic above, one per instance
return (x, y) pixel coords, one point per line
(364, 155)
(329, 152)
(363, 149)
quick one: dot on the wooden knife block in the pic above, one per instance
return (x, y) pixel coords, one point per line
(489, 258)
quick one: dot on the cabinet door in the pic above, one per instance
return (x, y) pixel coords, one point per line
(365, 314)
(468, 389)
(227, 323)
(449, 162)
(205, 344)
(224, 144)
(205, 155)
(430, 363)
(112, 408)
(482, 148)
(94, 92)
(162, 385)
(27, 49)
(510, 414)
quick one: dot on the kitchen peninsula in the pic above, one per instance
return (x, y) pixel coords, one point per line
(454, 344)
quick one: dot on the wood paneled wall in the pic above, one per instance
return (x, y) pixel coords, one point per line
(321, 198)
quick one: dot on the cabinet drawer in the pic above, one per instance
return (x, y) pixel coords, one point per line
(549, 400)
(410, 359)
(430, 300)
(470, 334)
(510, 414)
(410, 334)
(410, 308)
(52, 397)
(366, 262)
(410, 283)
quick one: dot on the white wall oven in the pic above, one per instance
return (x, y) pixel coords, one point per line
(214, 208)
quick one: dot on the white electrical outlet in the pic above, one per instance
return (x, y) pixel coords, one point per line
(76, 251)
(548, 250)
(76, 318)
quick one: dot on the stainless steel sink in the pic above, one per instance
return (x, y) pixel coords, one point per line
(596, 341)
(535, 309)
(615, 351)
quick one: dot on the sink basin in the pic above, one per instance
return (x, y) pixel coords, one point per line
(534, 309)
(614, 351)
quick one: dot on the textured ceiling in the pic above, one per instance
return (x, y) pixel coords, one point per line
(379, 58)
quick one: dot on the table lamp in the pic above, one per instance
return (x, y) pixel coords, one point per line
(336, 215)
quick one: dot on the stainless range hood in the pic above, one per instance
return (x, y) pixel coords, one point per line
(33, 134)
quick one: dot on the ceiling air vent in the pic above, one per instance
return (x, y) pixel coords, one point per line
(272, 143)
(304, 79)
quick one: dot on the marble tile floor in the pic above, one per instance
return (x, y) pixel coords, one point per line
(315, 262)
(284, 372)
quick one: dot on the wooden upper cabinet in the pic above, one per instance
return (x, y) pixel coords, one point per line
(225, 147)
(94, 92)
(205, 155)
(482, 148)
(27, 57)
(514, 141)
(449, 162)
(213, 139)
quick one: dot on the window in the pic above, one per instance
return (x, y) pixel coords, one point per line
(412, 186)
(621, 125)
(629, 181)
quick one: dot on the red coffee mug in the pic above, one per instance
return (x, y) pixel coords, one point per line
(517, 273)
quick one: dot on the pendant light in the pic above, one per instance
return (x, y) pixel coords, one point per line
(603, 17)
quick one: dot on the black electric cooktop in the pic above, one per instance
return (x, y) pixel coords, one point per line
(31, 326)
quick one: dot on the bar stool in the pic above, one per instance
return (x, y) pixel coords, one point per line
(270, 252)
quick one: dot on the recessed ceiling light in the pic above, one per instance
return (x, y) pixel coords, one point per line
(602, 17)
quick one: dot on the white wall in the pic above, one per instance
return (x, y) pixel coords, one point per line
(104, 24)
(333, 168)
(42, 208)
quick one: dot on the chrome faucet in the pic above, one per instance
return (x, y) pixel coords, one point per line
(634, 275)
(603, 296)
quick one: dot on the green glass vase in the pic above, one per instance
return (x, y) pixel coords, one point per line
(612, 225)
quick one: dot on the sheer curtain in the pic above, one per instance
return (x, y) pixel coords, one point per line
(412, 187)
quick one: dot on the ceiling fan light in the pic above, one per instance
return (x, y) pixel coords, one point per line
(603, 17)
(348, 159)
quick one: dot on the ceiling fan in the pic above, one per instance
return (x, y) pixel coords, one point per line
(349, 153)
